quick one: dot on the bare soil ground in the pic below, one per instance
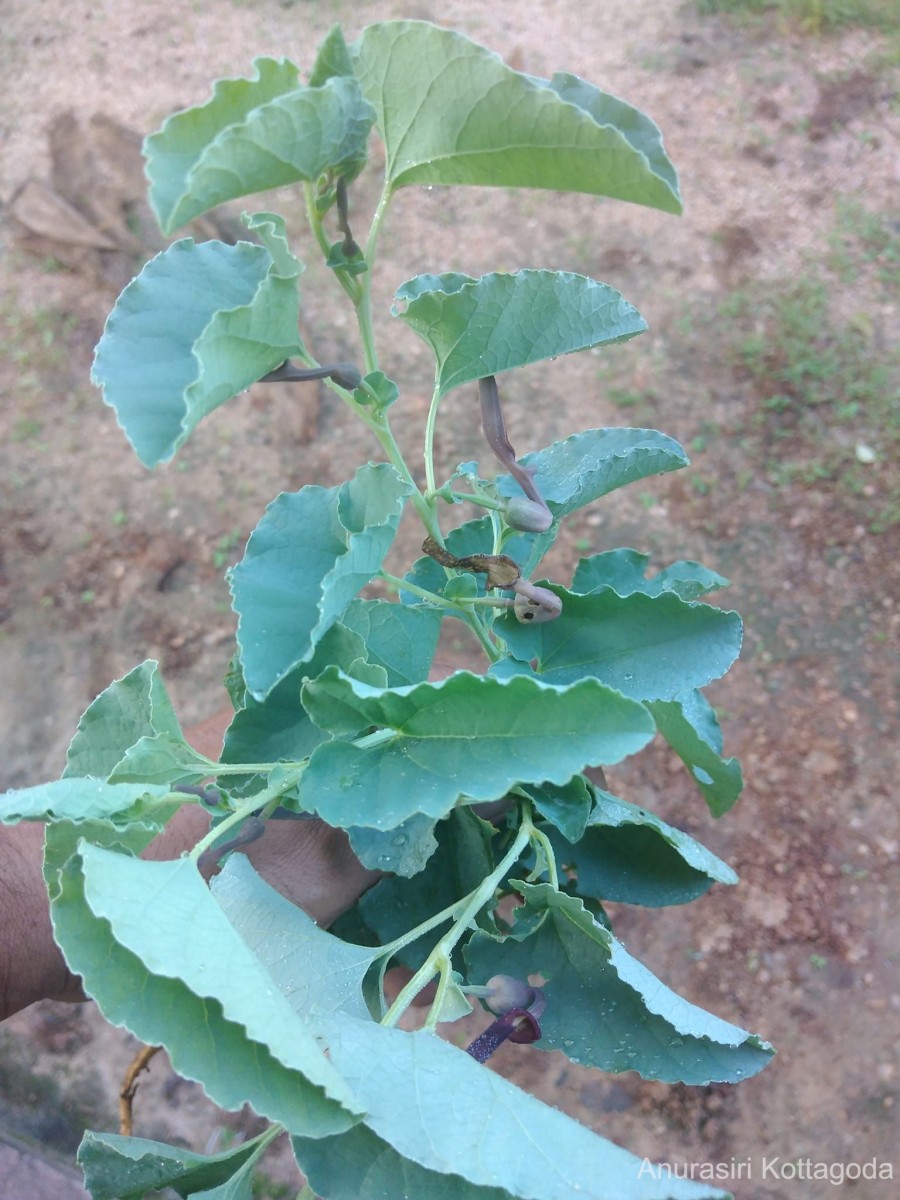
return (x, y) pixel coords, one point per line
(787, 149)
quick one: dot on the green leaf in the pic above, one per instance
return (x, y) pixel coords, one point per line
(306, 560)
(122, 833)
(174, 150)
(239, 1187)
(586, 466)
(628, 854)
(127, 1168)
(441, 1127)
(377, 390)
(462, 860)
(402, 639)
(359, 1165)
(640, 132)
(135, 706)
(451, 112)
(605, 1009)
(623, 570)
(566, 806)
(332, 58)
(72, 799)
(255, 135)
(159, 956)
(317, 972)
(403, 851)
(647, 647)
(469, 734)
(689, 725)
(198, 325)
(279, 727)
(161, 758)
(478, 327)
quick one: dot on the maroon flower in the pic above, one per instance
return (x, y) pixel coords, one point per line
(519, 1022)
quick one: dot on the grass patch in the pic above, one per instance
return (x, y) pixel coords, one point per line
(824, 387)
(814, 16)
(863, 239)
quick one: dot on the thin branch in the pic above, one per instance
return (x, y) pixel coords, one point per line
(140, 1062)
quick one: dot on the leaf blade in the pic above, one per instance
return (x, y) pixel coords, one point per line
(484, 326)
(451, 112)
(198, 325)
(74, 799)
(440, 1110)
(254, 135)
(191, 986)
(135, 706)
(632, 1020)
(400, 638)
(469, 734)
(586, 466)
(316, 971)
(623, 571)
(306, 560)
(628, 854)
(127, 1168)
(689, 724)
(647, 647)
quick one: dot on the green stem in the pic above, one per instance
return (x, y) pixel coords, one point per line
(490, 648)
(380, 426)
(267, 798)
(429, 439)
(468, 909)
(313, 216)
(540, 839)
(405, 939)
(490, 602)
(444, 980)
(364, 301)
(375, 228)
(378, 738)
(482, 501)
(252, 768)
(464, 611)
(415, 590)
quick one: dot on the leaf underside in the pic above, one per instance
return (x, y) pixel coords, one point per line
(254, 135)
(307, 559)
(479, 327)
(451, 112)
(198, 325)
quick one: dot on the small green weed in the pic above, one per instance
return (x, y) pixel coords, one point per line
(867, 239)
(825, 385)
(813, 16)
(26, 429)
(222, 553)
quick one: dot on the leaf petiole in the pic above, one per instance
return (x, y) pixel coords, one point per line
(540, 841)
(429, 437)
(350, 285)
(262, 802)
(466, 909)
(481, 500)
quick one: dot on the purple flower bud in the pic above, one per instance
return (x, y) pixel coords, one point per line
(506, 992)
